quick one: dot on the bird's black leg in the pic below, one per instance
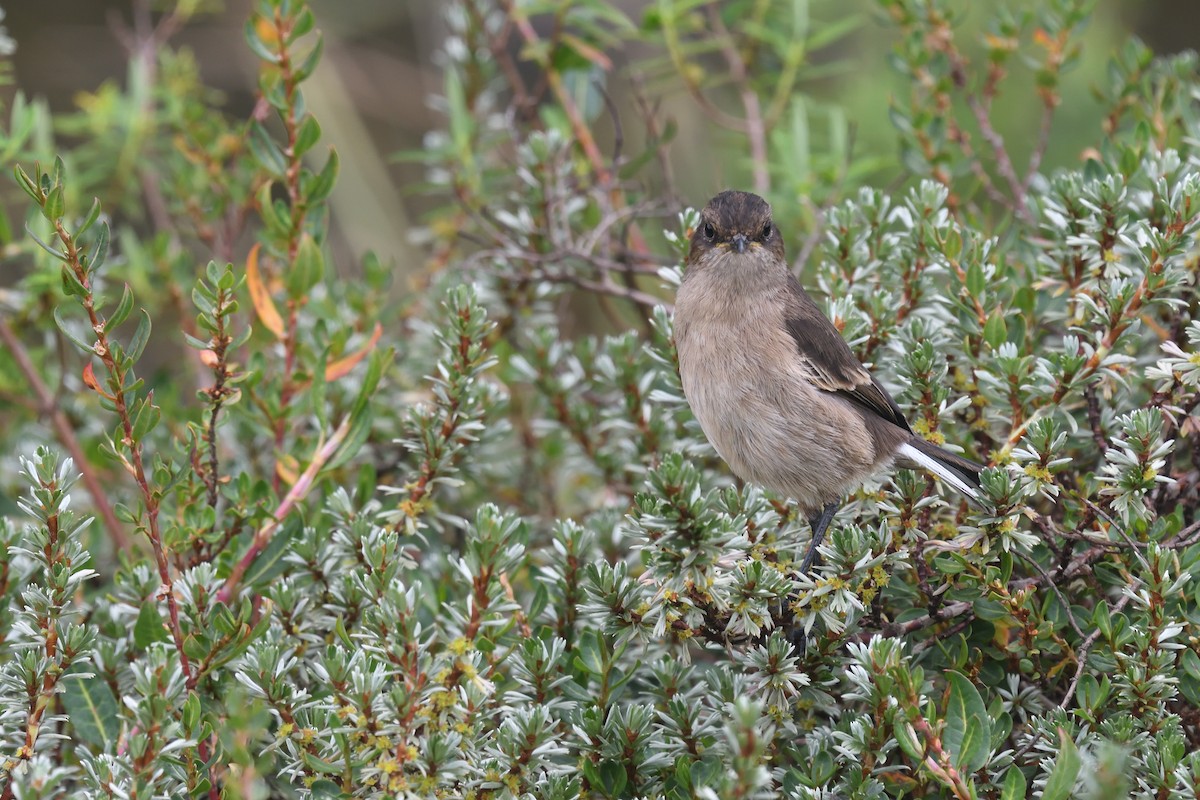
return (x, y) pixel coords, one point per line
(819, 524)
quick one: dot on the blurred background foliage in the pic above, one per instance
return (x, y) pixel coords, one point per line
(372, 91)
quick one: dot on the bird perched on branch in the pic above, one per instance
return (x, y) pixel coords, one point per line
(775, 387)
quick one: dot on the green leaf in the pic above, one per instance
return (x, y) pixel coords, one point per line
(140, 336)
(90, 219)
(319, 764)
(51, 250)
(191, 712)
(149, 627)
(72, 286)
(1066, 770)
(265, 151)
(303, 24)
(1102, 620)
(339, 630)
(968, 733)
(1087, 692)
(121, 312)
(147, 419)
(257, 45)
(62, 326)
(1014, 785)
(320, 185)
(195, 647)
(613, 778)
(325, 788)
(975, 281)
(269, 563)
(308, 135)
(306, 67)
(1189, 676)
(92, 709)
(308, 268)
(274, 216)
(995, 331)
(989, 610)
(360, 413)
(53, 208)
(99, 248)
(27, 184)
(906, 737)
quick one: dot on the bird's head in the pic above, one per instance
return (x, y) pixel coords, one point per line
(735, 224)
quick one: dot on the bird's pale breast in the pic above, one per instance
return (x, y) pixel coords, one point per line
(757, 408)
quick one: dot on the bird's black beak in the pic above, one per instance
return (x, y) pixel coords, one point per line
(739, 242)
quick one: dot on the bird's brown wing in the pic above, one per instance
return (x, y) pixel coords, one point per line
(829, 361)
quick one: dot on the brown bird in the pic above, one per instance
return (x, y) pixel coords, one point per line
(775, 387)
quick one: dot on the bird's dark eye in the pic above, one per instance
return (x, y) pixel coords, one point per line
(709, 231)
(766, 232)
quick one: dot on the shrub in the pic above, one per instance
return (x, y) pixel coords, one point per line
(527, 574)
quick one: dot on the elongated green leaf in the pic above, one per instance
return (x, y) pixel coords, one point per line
(53, 209)
(265, 151)
(1189, 676)
(968, 732)
(90, 220)
(72, 286)
(38, 240)
(27, 184)
(360, 414)
(142, 335)
(308, 268)
(93, 712)
(975, 281)
(306, 67)
(320, 185)
(308, 135)
(995, 331)
(906, 737)
(270, 561)
(100, 248)
(62, 326)
(149, 627)
(121, 312)
(1066, 770)
(257, 45)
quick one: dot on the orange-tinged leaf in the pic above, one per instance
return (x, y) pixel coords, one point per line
(340, 367)
(266, 31)
(264, 306)
(288, 469)
(89, 380)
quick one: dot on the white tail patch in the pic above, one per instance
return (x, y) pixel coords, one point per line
(938, 468)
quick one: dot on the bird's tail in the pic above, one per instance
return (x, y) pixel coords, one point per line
(961, 473)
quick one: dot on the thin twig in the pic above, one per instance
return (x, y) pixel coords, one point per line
(135, 463)
(298, 492)
(1046, 581)
(980, 110)
(1039, 149)
(756, 132)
